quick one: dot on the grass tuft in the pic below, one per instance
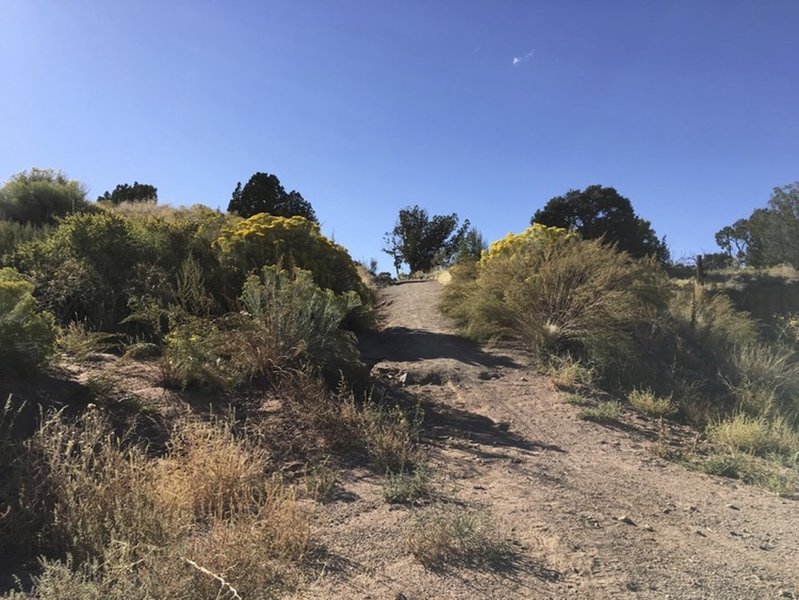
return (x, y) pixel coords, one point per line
(405, 487)
(754, 435)
(603, 412)
(458, 536)
(648, 403)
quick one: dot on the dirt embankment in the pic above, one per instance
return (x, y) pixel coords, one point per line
(592, 510)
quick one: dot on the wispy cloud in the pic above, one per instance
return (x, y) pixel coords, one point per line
(520, 59)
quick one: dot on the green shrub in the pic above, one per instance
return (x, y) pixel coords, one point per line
(27, 334)
(93, 267)
(200, 352)
(297, 321)
(13, 234)
(558, 293)
(80, 344)
(83, 269)
(286, 321)
(753, 471)
(40, 196)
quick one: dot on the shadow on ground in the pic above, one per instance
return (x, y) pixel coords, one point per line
(443, 421)
(411, 345)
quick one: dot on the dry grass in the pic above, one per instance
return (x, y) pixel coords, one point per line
(458, 536)
(764, 380)
(648, 403)
(210, 472)
(118, 523)
(407, 487)
(755, 435)
(385, 434)
(568, 373)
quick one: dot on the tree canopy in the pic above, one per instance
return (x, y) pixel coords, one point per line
(770, 236)
(264, 193)
(601, 212)
(40, 196)
(423, 242)
(138, 192)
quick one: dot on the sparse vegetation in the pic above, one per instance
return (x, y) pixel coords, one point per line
(407, 487)
(322, 481)
(444, 536)
(755, 435)
(751, 470)
(650, 404)
(569, 374)
(578, 400)
(602, 412)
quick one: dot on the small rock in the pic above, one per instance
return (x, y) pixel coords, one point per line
(733, 507)
(522, 378)
(516, 460)
(648, 528)
(785, 594)
(478, 487)
(625, 519)
(766, 546)
(700, 533)
(403, 378)
(666, 510)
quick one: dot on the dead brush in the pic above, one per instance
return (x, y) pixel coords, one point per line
(122, 525)
(385, 434)
(77, 486)
(568, 373)
(209, 471)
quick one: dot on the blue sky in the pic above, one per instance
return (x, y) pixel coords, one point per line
(487, 109)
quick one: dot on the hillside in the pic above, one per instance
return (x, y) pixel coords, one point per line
(516, 497)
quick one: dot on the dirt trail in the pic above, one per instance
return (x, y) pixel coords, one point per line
(503, 439)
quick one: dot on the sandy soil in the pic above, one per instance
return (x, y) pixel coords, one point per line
(592, 511)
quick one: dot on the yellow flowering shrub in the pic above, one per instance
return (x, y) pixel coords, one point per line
(293, 242)
(538, 238)
(556, 292)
